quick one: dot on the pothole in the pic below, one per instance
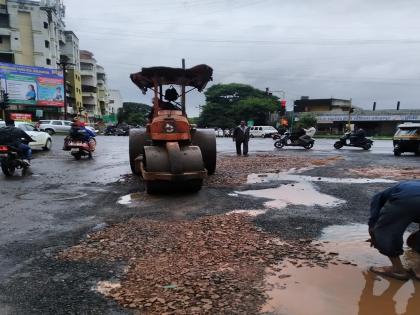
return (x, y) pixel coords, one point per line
(342, 288)
(287, 176)
(299, 193)
(131, 198)
(52, 196)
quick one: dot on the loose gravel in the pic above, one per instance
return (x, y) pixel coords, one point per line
(213, 265)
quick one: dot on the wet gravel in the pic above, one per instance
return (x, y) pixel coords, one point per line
(34, 232)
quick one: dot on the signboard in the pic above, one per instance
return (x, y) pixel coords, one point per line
(32, 86)
(21, 117)
(332, 118)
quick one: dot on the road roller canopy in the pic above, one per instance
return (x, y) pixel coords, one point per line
(196, 77)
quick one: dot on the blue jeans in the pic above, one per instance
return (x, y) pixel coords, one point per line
(26, 151)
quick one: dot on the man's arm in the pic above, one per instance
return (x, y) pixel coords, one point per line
(377, 203)
(235, 133)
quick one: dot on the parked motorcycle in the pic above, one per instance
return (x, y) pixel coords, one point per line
(110, 131)
(350, 140)
(10, 160)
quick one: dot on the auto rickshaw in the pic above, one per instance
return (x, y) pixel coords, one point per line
(407, 139)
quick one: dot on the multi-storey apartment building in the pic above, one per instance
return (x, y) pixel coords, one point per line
(70, 50)
(103, 95)
(31, 32)
(88, 70)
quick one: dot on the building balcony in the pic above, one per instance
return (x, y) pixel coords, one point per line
(89, 73)
(89, 88)
(7, 57)
(88, 95)
(4, 19)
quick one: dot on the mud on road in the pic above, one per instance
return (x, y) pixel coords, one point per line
(104, 254)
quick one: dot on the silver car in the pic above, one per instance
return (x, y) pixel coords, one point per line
(55, 126)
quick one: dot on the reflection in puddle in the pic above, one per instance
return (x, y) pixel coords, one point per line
(287, 176)
(294, 194)
(338, 290)
(343, 289)
(350, 241)
(252, 213)
(128, 199)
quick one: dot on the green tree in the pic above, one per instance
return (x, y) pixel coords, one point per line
(227, 104)
(133, 113)
(308, 120)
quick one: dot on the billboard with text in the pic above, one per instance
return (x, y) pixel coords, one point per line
(33, 86)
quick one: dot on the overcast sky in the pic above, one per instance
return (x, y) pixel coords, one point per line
(367, 50)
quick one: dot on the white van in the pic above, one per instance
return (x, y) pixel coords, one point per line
(262, 131)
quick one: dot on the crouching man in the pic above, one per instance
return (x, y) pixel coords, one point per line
(391, 212)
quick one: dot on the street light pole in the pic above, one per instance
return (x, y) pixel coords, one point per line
(65, 65)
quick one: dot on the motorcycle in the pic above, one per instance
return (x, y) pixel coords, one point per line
(79, 147)
(350, 140)
(10, 161)
(288, 140)
(110, 131)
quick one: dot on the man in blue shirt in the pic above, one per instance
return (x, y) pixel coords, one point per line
(391, 212)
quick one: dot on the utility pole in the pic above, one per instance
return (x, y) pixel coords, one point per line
(351, 110)
(65, 65)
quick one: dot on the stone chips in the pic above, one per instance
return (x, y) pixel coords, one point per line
(214, 265)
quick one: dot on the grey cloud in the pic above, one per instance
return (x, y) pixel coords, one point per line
(365, 50)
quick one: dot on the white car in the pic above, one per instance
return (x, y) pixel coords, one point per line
(42, 139)
(262, 131)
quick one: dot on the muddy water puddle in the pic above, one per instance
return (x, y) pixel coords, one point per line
(342, 289)
(300, 193)
(132, 199)
(288, 176)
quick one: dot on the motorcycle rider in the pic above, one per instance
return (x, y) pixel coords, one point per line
(358, 136)
(12, 136)
(78, 130)
(301, 135)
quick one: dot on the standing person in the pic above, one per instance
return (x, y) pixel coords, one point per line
(391, 212)
(241, 136)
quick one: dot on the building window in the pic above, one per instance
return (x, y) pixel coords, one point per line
(48, 61)
(47, 44)
(45, 25)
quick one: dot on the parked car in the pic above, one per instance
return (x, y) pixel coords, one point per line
(262, 131)
(42, 139)
(219, 132)
(55, 126)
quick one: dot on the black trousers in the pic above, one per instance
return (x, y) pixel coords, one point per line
(238, 147)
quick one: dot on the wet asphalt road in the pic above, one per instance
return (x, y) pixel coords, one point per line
(63, 199)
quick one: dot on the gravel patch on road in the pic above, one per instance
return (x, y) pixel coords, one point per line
(402, 173)
(213, 265)
(233, 170)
